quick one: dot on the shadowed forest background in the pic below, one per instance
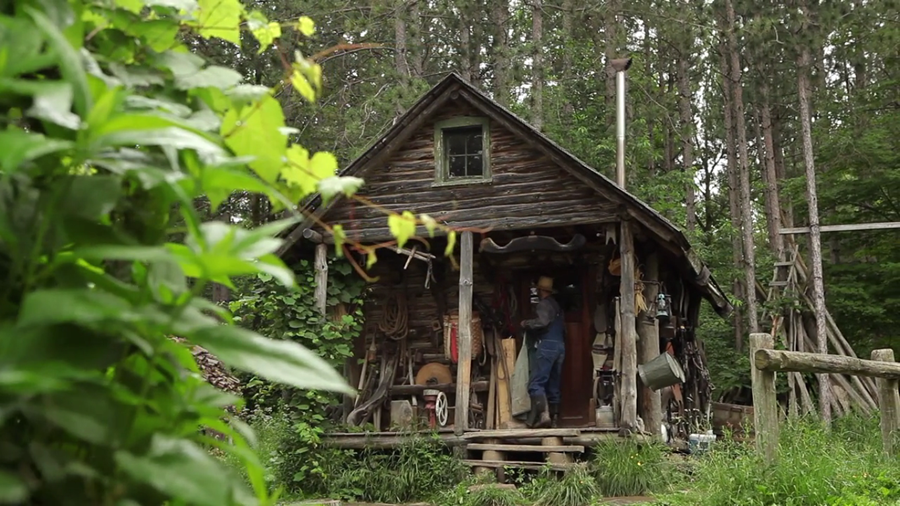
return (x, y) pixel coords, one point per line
(714, 137)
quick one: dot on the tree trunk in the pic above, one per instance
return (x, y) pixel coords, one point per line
(687, 138)
(610, 34)
(815, 235)
(400, 55)
(787, 210)
(734, 209)
(744, 174)
(537, 65)
(568, 34)
(418, 54)
(465, 71)
(773, 205)
(499, 17)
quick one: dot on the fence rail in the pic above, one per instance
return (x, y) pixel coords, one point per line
(765, 362)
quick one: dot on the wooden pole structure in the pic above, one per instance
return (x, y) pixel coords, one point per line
(628, 334)
(321, 277)
(464, 343)
(888, 403)
(648, 346)
(765, 403)
(782, 361)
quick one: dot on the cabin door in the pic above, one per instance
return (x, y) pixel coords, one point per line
(572, 291)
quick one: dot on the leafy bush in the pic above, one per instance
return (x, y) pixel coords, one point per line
(279, 313)
(477, 490)
(815, 466)
(112, 133)
(628, 467)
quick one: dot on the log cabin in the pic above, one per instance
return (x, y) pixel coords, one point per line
(442, 348)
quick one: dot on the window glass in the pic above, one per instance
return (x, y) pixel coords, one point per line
(464, 151)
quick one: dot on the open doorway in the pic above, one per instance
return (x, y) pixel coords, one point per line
(573, 288)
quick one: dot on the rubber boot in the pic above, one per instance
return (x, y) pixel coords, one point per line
(544, 415)
(554, 415)
(534, 414)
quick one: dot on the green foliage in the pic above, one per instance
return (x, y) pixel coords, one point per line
(421, 469)
(477, 490)
(576, 488)
(815, 467)
(626, 468)
(290, 314)
(110, 124)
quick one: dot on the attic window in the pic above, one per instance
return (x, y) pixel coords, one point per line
(462, 151)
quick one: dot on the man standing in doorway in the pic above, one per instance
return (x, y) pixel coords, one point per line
(546, 373)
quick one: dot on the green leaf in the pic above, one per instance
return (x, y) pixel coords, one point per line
(429, 222)
(220, 183)
(160, 34)
(265, 32)
(86, 412)
(73, 306)
(182, 5)
(331, 186)
(402, 226)
(212, 76)
(69, 61)
(171, 137)
(451, 243)
(254, 130)
(180, 469)
(18, 147)
(306, 26)
(222, 19)
(276, 360)
(51, 100)
(340, 237)
(12, 490)
(90, 197)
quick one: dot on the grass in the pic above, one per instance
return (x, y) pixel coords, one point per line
(838, 467)
(842, 466)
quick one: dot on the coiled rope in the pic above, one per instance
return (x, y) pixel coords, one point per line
(395, 317)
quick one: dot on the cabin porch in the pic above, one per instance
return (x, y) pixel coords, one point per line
(412, 375)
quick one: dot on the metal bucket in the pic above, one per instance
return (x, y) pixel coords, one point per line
(661, 372)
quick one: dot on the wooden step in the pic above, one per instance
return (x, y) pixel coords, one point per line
(520, 433)
(525, 448)
(778, 283)
(783, 264)
(521, 465)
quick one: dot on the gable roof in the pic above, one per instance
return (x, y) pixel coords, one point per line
(453, 86)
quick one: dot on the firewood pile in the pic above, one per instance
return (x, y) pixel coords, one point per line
(213, 369)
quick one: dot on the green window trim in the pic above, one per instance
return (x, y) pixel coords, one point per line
(441, 161)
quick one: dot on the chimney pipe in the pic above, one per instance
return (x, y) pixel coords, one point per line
(620, 65)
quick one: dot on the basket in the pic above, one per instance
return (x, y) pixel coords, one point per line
(451, 336)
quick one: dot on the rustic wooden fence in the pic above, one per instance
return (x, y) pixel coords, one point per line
(765, 361)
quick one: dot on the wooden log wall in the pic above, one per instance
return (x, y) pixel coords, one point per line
(527, 188)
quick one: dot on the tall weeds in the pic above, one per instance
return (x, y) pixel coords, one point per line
(815, 467)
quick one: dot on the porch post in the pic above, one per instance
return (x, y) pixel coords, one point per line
(648, 346)
(321, 265)
(627, 334)
(464, 343)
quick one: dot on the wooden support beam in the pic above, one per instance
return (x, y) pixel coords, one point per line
(406, 390)
(779, 360)
(312, 236)
(648, 346)
(535, 466)
(525, 448)
(843, 228)
(521, 433)
(321, 265)
(888, 403)
(765, 402)
(628, 334)
(464, 343)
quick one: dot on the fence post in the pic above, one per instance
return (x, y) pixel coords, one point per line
(765, 404)
(888, 403)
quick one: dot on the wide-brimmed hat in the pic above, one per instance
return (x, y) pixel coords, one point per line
(545, 283)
